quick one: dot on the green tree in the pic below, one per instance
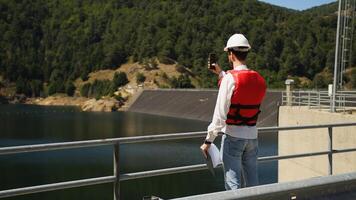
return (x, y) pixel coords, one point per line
(56, 82)
(42, 40)
(353, 78)
(52, 89)
(70, 88)
(36, 87)
(22, 87)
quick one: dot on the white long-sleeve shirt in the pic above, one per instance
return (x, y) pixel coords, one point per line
(222, 106)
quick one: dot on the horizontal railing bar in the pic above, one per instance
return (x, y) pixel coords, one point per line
(159, 172)
(319, 107)
(311, 103)
(56, 186)
(298, 189)
(272, 158)
(296, 95)
(189, 168)
(285, 128)
(322, 91)
(137, 139)
(311, 94)
(55, 146)
(94, 143)
(198, 167)
(344, 150)
(346, 101)
(311, 99)
(162, 137)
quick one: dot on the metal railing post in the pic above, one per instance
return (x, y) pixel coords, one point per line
(117, 171)
(319, 100)
(331, 103)
(330, 155)
(283, 100)
(343, 102)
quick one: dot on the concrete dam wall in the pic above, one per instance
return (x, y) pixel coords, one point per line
(197, 104)
(314, 140)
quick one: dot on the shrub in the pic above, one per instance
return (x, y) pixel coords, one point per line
(165, 76)
(140, 78)
(150, 64)
(84, 91)
(102, 88)
(182, 81)
(120, 79)
(180, 68)
(156, 82)
(321, 80)
(119, 98)
(166, 60)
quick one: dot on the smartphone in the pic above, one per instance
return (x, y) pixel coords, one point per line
(212, 61)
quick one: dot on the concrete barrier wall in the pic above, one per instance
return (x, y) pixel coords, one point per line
(303, 141)
(197, 104)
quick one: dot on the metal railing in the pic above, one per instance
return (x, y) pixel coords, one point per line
(314, 188)
(116, 178)
(344, 100)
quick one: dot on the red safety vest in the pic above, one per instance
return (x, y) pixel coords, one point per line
(250, 89)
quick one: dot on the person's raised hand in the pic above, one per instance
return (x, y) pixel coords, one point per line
(216, 70)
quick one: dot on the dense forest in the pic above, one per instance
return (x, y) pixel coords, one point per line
(53, 42)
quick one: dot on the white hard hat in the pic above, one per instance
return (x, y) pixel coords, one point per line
(237, 42)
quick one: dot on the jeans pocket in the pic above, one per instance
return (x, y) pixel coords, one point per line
(234, 146)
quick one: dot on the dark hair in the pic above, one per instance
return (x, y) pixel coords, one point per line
(241, 55)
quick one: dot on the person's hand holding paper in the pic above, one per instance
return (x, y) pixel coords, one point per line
(214, 153)
(212, 157)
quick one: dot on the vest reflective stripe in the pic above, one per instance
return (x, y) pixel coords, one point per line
(250, 89)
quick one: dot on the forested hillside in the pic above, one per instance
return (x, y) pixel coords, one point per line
(50, 43)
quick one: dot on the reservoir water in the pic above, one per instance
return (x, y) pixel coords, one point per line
(26, 124)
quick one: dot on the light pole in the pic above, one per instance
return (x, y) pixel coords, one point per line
(336, 64)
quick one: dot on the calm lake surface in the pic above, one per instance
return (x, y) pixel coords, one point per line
(26, 124)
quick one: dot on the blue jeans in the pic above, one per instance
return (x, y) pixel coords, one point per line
(239, 158)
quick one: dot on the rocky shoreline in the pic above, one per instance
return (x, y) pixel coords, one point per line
(106, 104)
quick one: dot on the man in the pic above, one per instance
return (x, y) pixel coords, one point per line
(241, 92)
